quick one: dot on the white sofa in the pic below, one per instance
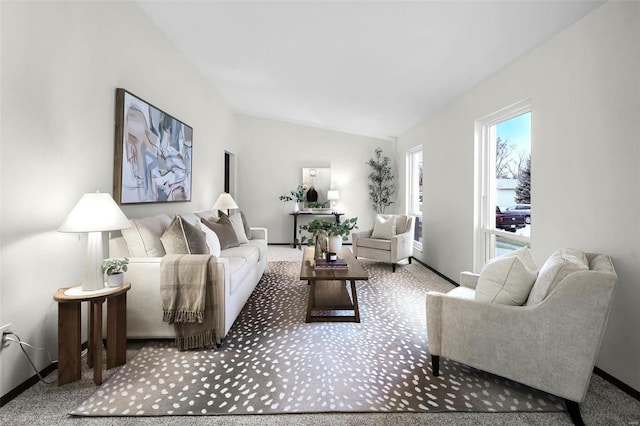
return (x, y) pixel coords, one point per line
(238, 271)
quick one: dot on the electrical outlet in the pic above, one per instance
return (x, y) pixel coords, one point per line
(4, 329)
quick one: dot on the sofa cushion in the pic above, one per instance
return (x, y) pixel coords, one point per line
(560, 264)
(225, 232)
(183, 238)
(242, 260)
(383, 228)
(212, 239)
(143, 237)
(375, 243)
(506, 281)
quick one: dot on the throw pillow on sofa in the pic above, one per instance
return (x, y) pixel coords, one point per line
(143, 237)
(384, 229)
(506, 281)
(225, 232)
(247, 228)
(183, 238)
(212, 239)
(238, 226)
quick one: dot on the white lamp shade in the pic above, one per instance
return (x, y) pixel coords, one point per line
(224, 202)
(333, 195)
(95, 213)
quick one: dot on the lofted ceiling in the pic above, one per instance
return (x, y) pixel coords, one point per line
(371, 68)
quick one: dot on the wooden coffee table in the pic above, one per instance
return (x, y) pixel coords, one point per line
(328, 287)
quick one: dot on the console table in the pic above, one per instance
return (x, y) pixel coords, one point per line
(295, 221)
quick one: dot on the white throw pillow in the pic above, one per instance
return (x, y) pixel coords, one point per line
(238, 227)
(384, 229)
(212, 239)
(560, 264)
(524, 254)
(506, 281)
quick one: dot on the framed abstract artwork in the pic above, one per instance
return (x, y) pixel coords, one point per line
(153, 153)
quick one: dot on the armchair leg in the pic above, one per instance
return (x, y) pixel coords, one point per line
(393, 267)
(574, 412)
(410, 260)
(435, 365)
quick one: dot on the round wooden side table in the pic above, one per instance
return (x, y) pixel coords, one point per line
(69, 330)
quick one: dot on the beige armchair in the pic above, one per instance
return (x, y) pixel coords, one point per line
(550, 343)
(390, 250)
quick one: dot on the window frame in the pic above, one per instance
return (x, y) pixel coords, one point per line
(485, 153)
(411, 189)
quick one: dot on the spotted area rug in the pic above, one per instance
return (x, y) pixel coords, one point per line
(273, 362)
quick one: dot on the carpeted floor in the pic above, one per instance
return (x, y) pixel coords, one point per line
(46, 404)
(272, 362)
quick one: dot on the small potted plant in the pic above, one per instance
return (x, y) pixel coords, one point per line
(297, 195)
(114, 270)
(336, 232)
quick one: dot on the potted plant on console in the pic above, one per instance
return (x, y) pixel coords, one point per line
(337, 233)
(114, 270)
(297, 195)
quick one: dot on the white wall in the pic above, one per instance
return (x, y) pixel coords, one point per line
(585, 94)
(61, 64)
(270, 161)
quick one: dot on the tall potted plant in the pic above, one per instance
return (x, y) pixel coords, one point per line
(297, 195)
(381, 186)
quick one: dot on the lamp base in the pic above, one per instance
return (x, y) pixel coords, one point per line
(92, 278)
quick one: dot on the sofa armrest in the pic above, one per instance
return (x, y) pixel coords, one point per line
(469, 279)
(259, 233)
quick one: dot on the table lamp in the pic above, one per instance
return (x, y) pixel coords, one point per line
(224, 201)
(93, 214)
(333, 196)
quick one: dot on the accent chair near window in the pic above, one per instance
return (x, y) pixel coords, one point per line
(390, 240)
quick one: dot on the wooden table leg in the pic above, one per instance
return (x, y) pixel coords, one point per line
(354, 295)
(116, 330)
(312, 299)
(96, 344)
(69, 330)
(90, 327)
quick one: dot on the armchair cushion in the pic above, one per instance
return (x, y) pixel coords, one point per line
(560, 264)
(383, 228)
(375, 243)
(505, 280)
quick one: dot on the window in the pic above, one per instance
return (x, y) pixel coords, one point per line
(414, 192)
(504, 182)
